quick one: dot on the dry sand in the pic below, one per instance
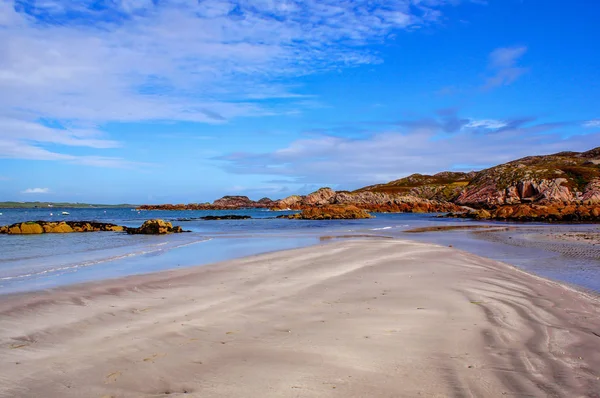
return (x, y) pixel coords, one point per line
(370, 318)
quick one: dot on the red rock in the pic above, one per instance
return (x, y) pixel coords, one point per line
(330, 212)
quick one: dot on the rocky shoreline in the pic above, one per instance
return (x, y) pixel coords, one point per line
(534, 212)
(560, 187)
(330, 212)
(150, 227)
(225, 203)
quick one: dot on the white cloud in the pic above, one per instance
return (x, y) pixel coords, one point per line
(36, 190)
(592, 123)
(182, 60)
(24, 130)
(24, 139)
(506, 57)
(385, 156)
(72, 62)
(486, 124)
(503, 62)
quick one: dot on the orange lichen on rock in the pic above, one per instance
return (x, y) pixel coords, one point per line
(533, 212)
(55, 227)
(154, 227)
(330, 212)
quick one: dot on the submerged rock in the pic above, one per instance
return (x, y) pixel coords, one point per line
(225, 217)
(211, 218)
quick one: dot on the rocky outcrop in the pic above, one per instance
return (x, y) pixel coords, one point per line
(320, 197)
(150, 227)
(535, 212)
(329, 212)
(591, 193)
(155, 227)
(236, 202)
(562, 178)
(225, 203)
(294, 202)
(443, 187)
(521, 191)
(367, 200)
(556, 181)
(48, 227)
(392, 203)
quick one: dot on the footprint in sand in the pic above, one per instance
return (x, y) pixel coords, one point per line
(112, 378)
(154, 357)
(15, 346)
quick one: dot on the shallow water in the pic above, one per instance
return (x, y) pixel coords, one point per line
(522, 245)
(45, 261)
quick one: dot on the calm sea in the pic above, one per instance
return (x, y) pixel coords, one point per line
(50, 260)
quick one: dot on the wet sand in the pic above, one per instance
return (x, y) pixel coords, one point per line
(356, 318)
(575, 243)
(445, 228)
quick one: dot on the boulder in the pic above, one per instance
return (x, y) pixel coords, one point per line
(154, 227)
(293, 202)
(591, 194)
(57, 228)
(30, 228)
(322, 196)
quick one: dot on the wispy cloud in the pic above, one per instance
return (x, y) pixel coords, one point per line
(36, 191)
(486, 124)
(592, 123)
(205, 61)
(26, 139)
(84, 62)
(422, 146)
(503, 63)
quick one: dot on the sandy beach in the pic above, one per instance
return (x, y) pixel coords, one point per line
(354, 318)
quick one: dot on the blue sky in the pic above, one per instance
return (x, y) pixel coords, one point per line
(154, 101)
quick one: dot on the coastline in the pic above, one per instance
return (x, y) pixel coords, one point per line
(346, 318)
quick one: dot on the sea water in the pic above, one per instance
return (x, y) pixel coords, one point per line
(33, 262)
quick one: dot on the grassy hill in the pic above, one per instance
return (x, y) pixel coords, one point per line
(33, 205)
(444, 186)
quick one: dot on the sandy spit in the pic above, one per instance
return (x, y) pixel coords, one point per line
(363, 318)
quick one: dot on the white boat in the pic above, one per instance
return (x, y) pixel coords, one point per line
(64, 213)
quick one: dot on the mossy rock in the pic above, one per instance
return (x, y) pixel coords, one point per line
(62, 228)
(30, 228)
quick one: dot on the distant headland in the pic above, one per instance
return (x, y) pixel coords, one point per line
(564, 186)
(64, 205)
